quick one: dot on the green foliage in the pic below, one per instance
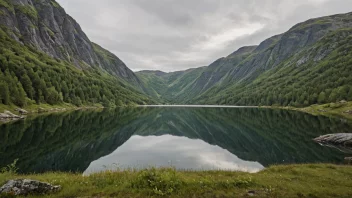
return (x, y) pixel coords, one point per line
(309, 180)
(159, 181)
(11, 168)
(4, 93)
(169, 87)
(55, 4)
(7, 5)
(28, 10)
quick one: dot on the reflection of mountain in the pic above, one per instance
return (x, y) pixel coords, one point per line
(70, 141)
(67, 142)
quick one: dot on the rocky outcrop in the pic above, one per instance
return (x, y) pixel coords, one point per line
(341, 141)
(8, 116)
(26, 187)
(21, 111)
(44, 24)
(112, 64)
(337, 139)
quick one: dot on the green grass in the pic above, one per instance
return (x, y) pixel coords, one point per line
(331, 109)
(328, 110)
(311, 180)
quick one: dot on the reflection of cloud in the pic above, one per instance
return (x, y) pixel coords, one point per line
(167, 150)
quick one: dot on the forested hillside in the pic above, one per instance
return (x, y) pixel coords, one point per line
(301, 80)
(28, 76)
(309, 64)
(45, 57)
(169, 87)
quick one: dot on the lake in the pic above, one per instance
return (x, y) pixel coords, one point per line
(187, 138)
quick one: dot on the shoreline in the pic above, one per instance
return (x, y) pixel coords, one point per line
(337, 110)
(305, 180)
(36, 110)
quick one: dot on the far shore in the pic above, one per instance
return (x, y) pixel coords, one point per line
(200, 106)
(338, 110)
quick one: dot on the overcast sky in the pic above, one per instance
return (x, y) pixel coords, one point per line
(171, 35)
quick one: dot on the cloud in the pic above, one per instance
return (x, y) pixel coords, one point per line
(173, 35)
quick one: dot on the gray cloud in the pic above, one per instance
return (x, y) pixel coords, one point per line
(174, 35)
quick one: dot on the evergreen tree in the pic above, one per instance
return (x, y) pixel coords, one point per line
(322, 98)
(4, 93)
(27, 86)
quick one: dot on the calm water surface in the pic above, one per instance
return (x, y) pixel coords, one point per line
(241, 139)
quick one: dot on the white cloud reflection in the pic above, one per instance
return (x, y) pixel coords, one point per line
(165, 151)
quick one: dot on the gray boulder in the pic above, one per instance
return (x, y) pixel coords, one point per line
(7, 115)
(348, 112)
(337, 139)
(21, 111)
(341, 141)
(28, 187)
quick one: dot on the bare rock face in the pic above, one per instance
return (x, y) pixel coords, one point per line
(28, 187)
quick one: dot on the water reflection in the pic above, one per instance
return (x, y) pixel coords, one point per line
(71, 141)
(164, 151)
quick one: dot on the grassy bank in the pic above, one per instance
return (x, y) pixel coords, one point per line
(331, 109)
(33, 109)
(315, 180)
(341, 110)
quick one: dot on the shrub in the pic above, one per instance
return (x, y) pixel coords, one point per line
(160, 181)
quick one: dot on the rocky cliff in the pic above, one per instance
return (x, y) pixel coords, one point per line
(44, 25)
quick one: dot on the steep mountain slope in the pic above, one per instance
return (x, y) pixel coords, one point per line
(45, 25)
(169, 87)
(45, 57)
(308, 64)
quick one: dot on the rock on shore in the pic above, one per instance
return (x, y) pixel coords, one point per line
(344, 139)
(7, 115)
(341, 141)
(28, 187)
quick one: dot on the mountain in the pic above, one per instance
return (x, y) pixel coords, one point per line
(47, 58)
(168, 87)
(308, 64)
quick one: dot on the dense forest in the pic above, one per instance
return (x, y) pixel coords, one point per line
(28, 76)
